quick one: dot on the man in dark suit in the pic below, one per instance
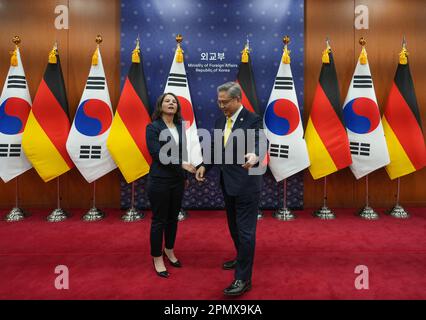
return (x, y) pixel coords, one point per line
(240, 181)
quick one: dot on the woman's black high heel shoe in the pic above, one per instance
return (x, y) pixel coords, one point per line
(163, 274)
(175, 264)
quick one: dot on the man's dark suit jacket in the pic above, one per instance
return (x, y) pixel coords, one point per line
(234, 179)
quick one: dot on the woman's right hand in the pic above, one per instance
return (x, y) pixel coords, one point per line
(189, 167)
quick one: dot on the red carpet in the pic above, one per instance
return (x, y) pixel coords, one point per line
(302, 259)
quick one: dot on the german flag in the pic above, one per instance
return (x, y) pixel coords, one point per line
(402, 124)
(326, 136)
(246, 81)
(45, 136)
(126, 141)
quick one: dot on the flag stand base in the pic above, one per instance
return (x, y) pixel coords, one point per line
(94, 214)
(325, 214)
(260, 215)
(284, 214)
(16, 214)
(368, 213)
(399, 212)
(182, 215)
(132, 215)
(57, 215)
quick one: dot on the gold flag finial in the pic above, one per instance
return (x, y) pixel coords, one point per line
(53, 59)
(14, 58)
(179, 51)
(98, 39)
(95, 57)
(326, 52)
(363, 56)
(136, 53)
(286, 54)
(16, 40)
(403, 55)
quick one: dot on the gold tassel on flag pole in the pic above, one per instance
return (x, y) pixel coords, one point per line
(363, 56)
(286, 55)
(245, 52)
(53, 59)
(136, 53)
(179, 51)
(14, 58)
(326, 53)
(403, 55)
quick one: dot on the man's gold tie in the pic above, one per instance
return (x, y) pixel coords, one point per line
(228, 130)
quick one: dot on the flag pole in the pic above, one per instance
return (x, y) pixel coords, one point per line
(94, 214)
(182, 215)
(58, 214)
(398, 211)
(133, 214)
(367, 212)
(285, 213)
(16, 214)
(325, 213)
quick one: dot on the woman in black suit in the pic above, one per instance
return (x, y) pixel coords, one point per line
(167, 177)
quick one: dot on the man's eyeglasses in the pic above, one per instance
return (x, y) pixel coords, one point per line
(224, 102)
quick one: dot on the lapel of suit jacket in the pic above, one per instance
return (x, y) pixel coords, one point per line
(240, 119)
(180, 129)
(163, 126)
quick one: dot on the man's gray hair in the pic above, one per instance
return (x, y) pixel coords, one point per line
(232, 88)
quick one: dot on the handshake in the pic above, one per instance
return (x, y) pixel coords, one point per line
(199, 173)
(252, 159)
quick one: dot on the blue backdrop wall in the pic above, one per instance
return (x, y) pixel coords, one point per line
(214, 32)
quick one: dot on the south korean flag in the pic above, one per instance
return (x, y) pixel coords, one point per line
(177, 83)
(86, 142)
(363, 124)
(283, 126)
(15, 106)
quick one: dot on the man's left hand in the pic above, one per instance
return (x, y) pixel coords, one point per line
(252, 159)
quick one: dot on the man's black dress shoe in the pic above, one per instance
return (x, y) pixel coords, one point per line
(163, 274)
(237, 288)
(229, 265)
(175, 264)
